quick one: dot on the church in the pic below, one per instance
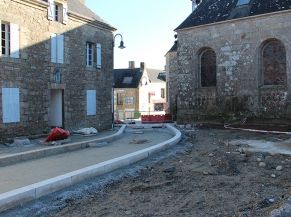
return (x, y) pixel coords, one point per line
(232, 58)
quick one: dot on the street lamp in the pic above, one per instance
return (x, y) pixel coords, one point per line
(121, 46)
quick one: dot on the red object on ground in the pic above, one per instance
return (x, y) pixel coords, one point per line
(118, 122)
(156, 118)
(57, 134)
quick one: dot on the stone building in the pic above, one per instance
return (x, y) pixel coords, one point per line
(232, 58)
(56, 64)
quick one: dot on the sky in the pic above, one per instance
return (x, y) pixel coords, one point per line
(147, 27)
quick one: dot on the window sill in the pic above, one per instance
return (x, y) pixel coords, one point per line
(10, 59)
(273, 87)
(89, 68)
(206, 88)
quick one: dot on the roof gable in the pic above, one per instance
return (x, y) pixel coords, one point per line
(156, 76)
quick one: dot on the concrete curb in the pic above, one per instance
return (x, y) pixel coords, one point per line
(22, 195)
(39, 153)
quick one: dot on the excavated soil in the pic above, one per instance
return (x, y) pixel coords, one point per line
(211, 178)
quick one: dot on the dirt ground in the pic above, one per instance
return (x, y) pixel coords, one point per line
(212, 178)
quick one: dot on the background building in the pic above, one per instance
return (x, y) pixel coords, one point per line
(139, 91)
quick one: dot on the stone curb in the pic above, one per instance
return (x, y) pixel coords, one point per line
(20, 196)
(39, 153)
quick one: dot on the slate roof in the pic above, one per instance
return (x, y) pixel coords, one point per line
(120, 74)
(211, 11)
(174, 48)
(156, 76)
(75, 6)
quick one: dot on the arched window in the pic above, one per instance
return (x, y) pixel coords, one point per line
(207, 68)
(274, 63)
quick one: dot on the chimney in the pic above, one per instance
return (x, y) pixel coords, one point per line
(142, 65)
(131, 64)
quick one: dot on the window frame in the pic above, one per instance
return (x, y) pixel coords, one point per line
(89, 56)
(57, 12)
(7, 39)
(201, 53)
(129, 100)
(163, 93)
(119, 100)
(262, 66)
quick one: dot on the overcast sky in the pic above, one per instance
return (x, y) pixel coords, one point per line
(146, 26)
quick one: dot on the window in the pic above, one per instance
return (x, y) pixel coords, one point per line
(57, 12)
(91, 102)
(274, 63)
(208, 68)
(127, 80)
(9, 40)
(129, 100)
(159, 107)
(5, 39)
(89, 54)
(242, 2)
(119, 99)
(10, 105)
(57, 48)
(162, 92)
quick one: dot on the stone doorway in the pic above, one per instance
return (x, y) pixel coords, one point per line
(56, 111)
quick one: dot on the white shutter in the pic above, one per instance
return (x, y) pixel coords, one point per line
(60, 49)
(65, 13)
(99, 56)
(14, 40)
(51, 10)
(10, 105)
(91, 102)
(53, 48)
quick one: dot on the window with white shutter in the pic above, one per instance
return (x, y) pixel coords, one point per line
(57, 48)
(91, 102)
(99, 56)
(10, 105)
(9, 39)
(58, 12)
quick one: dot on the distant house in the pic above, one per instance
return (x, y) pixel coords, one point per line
(157, 91)
(232, 57)
(138, 91)
(56, 64)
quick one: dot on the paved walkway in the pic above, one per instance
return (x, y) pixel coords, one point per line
(37, 144)
(30, 172)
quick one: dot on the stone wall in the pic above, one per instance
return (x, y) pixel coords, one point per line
(33, 72)
(239, 88)
(172, 82)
